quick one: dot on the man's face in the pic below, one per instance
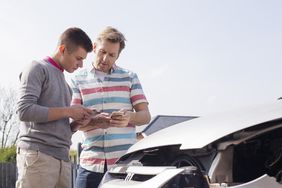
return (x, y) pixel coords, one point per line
(106, 55)
(72, 60)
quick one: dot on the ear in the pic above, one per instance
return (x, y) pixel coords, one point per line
(62, 48)
(94, 47)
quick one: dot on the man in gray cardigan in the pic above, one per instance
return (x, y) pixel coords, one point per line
(44, 110)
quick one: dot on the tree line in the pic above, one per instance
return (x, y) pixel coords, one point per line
(9, 122)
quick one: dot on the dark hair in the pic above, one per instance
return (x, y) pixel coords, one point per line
(112, 35)
(74, 37)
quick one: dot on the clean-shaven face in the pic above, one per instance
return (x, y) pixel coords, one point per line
(106, 55)
(74, 60)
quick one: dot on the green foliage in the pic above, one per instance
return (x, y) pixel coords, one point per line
(73, 155)
(8, 154)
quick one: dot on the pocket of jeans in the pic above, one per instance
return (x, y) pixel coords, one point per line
(31, 158)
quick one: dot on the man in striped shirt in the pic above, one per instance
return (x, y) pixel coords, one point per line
(117, 96)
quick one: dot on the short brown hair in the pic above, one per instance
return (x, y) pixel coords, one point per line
(112, 35)
(74, 37)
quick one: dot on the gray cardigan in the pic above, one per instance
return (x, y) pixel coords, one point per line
(43, 86)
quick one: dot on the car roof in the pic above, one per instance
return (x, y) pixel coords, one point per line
(199, 132)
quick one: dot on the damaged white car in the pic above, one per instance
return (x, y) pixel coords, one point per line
(239, 149)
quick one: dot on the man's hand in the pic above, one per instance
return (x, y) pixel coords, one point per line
(75, 125)
(102, 118)
(120, 118)
(78, 113)
(98, 121)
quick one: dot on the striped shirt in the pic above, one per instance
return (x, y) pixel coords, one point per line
(119, 89)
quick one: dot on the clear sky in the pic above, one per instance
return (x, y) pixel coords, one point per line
(192, 56)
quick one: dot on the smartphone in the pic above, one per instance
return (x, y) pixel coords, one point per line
(95, 112)
(117, 114)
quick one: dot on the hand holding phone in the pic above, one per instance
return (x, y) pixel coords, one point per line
(95, 112)
(116, 114)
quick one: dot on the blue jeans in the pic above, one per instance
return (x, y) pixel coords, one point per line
(87, 179)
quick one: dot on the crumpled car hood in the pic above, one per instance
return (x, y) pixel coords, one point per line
(202, 131)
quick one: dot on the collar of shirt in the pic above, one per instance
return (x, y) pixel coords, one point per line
(114, 67)
(54, 63)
